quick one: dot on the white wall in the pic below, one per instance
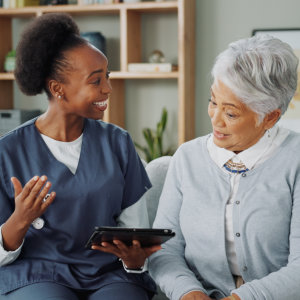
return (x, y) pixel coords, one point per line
(218, 22)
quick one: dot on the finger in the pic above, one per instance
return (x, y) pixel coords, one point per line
(17, 186)
(27, 188)
(107, 247)
(136, 244)
(34, 194)
(149, 251)
(48, 201)
(120, 245)
(43, 195)
(154, 248)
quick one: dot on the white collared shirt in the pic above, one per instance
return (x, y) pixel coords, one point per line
(251, 158)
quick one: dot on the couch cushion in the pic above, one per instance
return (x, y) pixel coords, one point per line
(156, 170)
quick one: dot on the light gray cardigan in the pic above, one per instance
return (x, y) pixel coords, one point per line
(266, 222)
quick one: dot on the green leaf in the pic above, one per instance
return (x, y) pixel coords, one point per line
(154, 139)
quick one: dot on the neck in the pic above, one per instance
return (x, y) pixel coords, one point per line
(59, 126)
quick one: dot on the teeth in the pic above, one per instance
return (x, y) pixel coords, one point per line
(101, 103)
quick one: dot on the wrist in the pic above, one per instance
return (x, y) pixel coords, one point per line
(136, 270)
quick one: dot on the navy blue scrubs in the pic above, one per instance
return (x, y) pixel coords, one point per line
(109, 178)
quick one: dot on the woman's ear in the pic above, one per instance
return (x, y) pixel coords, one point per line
(55, 88)
(271, 118)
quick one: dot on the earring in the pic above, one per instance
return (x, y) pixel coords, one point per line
(59, 96)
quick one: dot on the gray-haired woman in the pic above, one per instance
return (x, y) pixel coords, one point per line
(233, 197)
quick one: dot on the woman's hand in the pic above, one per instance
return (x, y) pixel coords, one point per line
(195, 295)
(29, 205)
(133, 256)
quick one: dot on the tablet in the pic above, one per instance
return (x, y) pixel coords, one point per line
(146, 236)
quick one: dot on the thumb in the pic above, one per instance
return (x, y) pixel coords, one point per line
(17, 186)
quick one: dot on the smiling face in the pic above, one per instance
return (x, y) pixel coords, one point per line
(235, 126)
(86, 87)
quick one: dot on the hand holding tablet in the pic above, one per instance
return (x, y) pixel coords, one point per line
(146, 236)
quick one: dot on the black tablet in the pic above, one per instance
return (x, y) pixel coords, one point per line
(146, 236)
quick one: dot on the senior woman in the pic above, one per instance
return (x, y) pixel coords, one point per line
(233, 197)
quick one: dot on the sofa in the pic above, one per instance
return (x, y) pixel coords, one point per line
(156, 170)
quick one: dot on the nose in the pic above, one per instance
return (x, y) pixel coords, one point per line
(106, 87)
(216, 118)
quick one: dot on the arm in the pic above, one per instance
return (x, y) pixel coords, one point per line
(135, 215)
(168, 267)
(7, 257)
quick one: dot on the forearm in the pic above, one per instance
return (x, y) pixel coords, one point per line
(7, 257)
(172, 274)
(13, 233)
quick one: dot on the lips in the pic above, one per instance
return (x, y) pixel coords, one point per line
(220, 135)
(102, 105)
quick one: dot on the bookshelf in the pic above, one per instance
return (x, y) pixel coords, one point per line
(129, 15)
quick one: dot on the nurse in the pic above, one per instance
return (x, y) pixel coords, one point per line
(65, 172)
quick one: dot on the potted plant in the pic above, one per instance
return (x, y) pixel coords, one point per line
(154, 139)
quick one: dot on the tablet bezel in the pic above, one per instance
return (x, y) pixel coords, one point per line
(147, 236)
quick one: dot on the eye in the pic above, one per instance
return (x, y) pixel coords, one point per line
(96, 82)
(107, 74)
(231, 115)
(212, 102)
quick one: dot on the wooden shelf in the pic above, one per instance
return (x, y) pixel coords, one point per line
(129, 15)
(143, 7)
(7, 76)
(119, 75)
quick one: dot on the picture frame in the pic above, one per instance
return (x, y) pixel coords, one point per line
(291, 118)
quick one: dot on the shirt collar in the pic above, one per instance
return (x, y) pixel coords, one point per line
(248, 157)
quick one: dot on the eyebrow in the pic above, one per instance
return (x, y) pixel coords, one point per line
(230, 104)
(96, 71)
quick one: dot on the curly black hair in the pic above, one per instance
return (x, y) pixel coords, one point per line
(40, 52)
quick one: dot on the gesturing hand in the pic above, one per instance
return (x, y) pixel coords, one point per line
(29, 203)
(133, 256)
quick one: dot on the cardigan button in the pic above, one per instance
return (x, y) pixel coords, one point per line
(245, 268)
(244, 174)
(237, 202)
(238, 234)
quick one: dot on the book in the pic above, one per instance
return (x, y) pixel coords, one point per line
(151, 67)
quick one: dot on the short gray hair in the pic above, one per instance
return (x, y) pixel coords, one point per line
(261, 71)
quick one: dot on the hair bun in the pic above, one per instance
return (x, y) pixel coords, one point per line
(40, 42)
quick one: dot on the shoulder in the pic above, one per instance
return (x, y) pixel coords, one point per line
(111, 137)
(16, 135)
(189, 153)
(193, 147)
(292, 144)
(109, 133)
(108, 129)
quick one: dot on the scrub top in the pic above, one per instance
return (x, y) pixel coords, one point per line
(109, 178)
